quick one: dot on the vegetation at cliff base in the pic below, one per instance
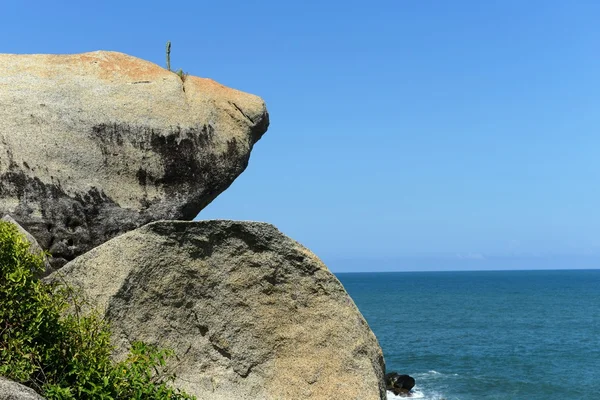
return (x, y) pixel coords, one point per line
(66, 356)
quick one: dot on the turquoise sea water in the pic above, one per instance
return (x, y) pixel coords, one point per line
(487, 335)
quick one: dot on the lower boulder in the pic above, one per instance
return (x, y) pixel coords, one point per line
(10, 390)
(250, 313)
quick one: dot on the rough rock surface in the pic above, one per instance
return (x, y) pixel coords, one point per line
(251, 313)
(10, 390)
(96, 144)
(34, 247)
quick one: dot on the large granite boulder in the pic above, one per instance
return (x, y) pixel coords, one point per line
(251, 313)
(10, 390)
(93, 145)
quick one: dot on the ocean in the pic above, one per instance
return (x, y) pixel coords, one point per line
(526, 335)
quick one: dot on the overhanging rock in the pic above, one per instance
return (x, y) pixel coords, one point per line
(93, 145)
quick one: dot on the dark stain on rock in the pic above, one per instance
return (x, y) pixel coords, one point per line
(191, 168)
(77, 223)
(108, 133)
(179, 157)
(142, 176)
(70, 224)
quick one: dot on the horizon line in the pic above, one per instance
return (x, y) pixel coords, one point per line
(468, 270)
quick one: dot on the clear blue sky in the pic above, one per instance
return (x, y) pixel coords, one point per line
(404, 134)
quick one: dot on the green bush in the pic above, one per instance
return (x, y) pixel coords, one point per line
(66, 356)
(182, 75)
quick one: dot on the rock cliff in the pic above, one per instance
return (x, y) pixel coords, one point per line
(251, 313)
(10, 390)
(93, 145)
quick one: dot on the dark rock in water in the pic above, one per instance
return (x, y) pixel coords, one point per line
(10, 390)
(34, 247)
(399, 384)
(97, 144)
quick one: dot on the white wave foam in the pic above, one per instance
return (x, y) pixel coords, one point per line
(415, 394)
(432, 374)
